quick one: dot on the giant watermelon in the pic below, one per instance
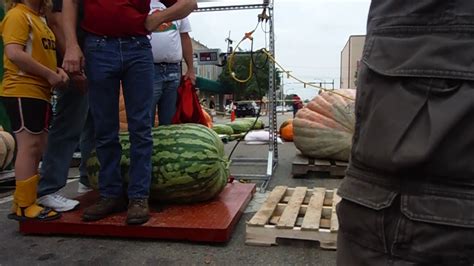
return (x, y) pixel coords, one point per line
(324, 127)
(189, 164)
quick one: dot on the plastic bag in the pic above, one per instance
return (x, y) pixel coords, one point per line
(188, 109)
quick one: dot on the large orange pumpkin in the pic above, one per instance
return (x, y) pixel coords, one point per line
(324, 127)
(286, 130)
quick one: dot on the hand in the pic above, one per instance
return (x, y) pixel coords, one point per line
(73, 60)
(58, 79)
(153, 21)
(191, 76)
(80, 82)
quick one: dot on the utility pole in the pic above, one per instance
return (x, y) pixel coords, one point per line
(283, 102)
(322, 83)
(229, 44)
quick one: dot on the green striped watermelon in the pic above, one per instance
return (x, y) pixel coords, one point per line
(258, 125)
(189, 164)
(222, 129)
(243, 125)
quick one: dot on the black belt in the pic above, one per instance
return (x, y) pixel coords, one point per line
(166, 64)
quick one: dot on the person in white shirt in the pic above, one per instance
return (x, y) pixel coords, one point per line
(170, 44)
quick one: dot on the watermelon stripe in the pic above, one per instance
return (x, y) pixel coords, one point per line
(193, 191)
(175, 186)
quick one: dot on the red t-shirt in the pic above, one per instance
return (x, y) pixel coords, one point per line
(116, 18)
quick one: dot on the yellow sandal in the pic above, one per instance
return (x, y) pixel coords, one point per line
(24, 203)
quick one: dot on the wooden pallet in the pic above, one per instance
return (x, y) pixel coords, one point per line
(296, 213)
(302, 165)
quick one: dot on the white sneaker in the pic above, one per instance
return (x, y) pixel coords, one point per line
(81, 189)
(58, 202)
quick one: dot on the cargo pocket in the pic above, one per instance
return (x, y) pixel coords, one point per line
(389, 112)
(400, 121)
(436, 229)
(404, 52)
(362, 225)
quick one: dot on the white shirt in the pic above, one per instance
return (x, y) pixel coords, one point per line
(166, 40)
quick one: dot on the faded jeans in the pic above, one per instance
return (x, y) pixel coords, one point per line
(71, 125)
(167, 77)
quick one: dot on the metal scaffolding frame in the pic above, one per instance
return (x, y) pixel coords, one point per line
(272, 159)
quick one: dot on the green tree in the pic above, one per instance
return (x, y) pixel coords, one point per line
(250, 89)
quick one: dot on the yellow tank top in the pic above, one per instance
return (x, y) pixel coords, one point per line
(24, 26)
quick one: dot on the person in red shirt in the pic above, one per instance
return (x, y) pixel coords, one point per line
(297, 104)
(118, 52)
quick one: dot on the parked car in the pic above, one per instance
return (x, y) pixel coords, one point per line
(245, 109)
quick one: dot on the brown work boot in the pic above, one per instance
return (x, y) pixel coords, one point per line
(103, 208)
(138, 211)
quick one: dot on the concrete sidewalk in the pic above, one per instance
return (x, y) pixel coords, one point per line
(16, 249)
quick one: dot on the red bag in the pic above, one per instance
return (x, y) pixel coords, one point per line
(188, 109)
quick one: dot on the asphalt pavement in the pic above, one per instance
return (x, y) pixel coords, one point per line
(17, 249)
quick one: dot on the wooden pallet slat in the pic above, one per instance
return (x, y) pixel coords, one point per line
(319, 162)
(302, 165)
(296, 213)
(313, 213)
(264, 214)
(290, 214)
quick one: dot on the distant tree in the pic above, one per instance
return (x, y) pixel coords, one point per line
(250, 89)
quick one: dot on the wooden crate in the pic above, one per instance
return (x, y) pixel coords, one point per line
(296, 213)
(302, 165)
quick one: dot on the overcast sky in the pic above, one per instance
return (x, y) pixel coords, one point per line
(309, 34)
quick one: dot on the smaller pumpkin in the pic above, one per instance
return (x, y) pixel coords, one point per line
(286, 130)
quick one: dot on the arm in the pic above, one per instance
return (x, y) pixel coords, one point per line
(180, 9)
(16, 54)
(54, 22)
(73, 57)
(188, 56)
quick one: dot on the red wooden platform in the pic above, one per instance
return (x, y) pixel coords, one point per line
(212, 221)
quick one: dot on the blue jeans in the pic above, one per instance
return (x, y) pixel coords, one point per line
(110, 61)
(86, 145)
(165, 91)
(71, 126)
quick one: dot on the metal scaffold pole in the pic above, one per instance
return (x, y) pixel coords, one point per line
(272, 159)
(272, 117)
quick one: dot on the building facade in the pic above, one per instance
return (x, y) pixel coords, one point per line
(350, 61)
(211, 72)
